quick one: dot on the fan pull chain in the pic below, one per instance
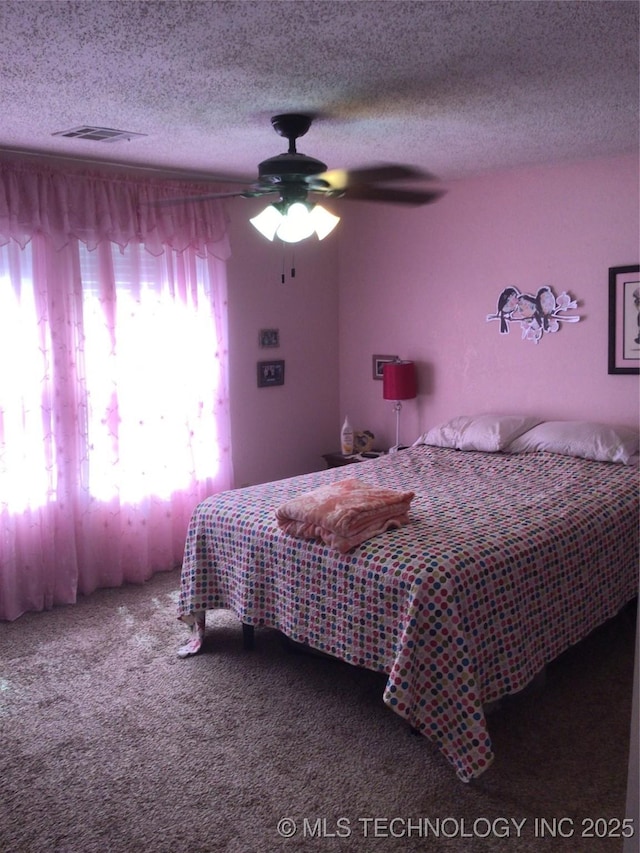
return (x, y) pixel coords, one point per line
(292, 273)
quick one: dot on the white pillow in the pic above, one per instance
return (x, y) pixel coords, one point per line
(489, 433)
(445, 435)
(580, 438)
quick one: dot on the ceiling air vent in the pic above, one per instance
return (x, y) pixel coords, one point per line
(97, 134)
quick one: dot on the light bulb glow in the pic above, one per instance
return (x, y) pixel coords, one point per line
(298, 222)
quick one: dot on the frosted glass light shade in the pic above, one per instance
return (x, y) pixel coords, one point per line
(323, 221)
(267, 222)
(296, 224)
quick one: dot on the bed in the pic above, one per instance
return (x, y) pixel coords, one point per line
(522, 537)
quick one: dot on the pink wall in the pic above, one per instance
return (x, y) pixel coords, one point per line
(281, 431)
(420, 282)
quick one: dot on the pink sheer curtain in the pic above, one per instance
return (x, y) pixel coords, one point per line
(114, 415)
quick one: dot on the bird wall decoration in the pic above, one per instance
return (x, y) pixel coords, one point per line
(537, 314)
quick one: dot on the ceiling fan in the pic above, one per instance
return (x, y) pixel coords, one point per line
(294, 176)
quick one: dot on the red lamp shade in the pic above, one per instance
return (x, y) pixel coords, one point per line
(399, 380)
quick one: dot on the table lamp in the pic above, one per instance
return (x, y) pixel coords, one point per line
(399, 383)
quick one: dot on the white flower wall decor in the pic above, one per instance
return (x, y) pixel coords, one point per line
(536, 314)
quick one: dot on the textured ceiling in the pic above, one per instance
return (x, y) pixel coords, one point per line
(456, 87)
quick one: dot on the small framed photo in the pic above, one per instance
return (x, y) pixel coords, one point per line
(379, 362)
(270, 373)
(269, 338)
(624, 319)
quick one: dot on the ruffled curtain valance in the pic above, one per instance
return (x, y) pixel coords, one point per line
(94, 207)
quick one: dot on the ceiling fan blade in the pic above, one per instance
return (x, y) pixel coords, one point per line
(384, 173)
(250, 192)
(392, 195)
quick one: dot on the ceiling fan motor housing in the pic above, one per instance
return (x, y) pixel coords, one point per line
(288, 168)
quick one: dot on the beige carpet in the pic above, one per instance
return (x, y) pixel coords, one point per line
(110, 742)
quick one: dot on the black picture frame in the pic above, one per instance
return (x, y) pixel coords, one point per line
(378, 362)
(624, 320)
(269, 338)
(270, 373)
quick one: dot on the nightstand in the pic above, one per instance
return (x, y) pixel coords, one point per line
(336, 460)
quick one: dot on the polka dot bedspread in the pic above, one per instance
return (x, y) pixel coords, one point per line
(507, 560)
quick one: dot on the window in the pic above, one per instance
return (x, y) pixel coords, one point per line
(27, 475)
(152, 373)
(114, 412)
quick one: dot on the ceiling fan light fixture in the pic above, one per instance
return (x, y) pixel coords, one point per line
(323, 221)
(267, 222)
(294, 222)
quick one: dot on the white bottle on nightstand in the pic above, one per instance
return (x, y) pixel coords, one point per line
(346, 438)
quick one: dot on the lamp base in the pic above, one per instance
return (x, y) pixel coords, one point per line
(397, 408)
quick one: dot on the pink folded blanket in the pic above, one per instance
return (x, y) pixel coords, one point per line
(345, 513)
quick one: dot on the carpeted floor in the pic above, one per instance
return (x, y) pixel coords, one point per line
(110, 743)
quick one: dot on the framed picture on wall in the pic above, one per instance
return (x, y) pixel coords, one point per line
(624, 319)
(379, 362)
(270, 373)
(269, 338)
